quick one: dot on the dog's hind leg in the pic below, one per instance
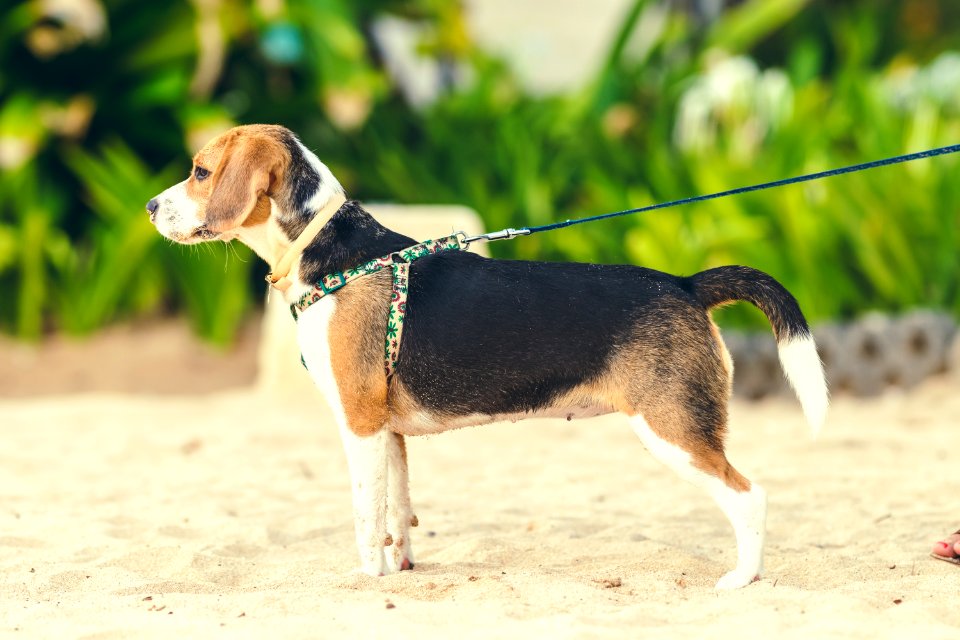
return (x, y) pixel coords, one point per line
(704, 464)
(367, 461)
(400, 516)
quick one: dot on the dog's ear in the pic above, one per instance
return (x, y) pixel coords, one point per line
(248, 167)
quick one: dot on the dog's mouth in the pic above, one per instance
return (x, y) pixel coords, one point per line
(200, 234)
(203, 233)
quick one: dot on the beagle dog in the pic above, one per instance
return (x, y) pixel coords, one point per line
(548, 339)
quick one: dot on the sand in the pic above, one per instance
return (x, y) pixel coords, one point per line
(228, 515)
(156, 356)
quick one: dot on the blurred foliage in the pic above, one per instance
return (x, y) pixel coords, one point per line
(101, 105)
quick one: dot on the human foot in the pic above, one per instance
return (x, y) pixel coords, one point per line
(948, 548)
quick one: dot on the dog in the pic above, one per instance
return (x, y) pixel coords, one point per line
(485, 340)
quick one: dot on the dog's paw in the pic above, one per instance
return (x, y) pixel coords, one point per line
(373, 563)
(399, 556)
(736, 580)
(403, 564)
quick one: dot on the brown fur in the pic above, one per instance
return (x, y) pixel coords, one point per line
(722, 346)
(356, 351)
(260, 214)
(404, 409)
(696, 351)
(245, 164)
(715, 463)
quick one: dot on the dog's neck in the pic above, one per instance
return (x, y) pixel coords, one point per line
(350, 238)
(306, 186)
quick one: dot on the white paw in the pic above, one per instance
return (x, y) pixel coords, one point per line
(736, 580)
(399, 556)
(374, 564)
(394, 560)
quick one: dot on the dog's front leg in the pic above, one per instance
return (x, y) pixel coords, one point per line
(399, 511)
(367, 461)
(333, 365)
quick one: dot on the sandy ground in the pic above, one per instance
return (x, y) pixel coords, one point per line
(228, 515)
(161, 356)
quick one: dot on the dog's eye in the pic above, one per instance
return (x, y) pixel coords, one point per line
(200, 173)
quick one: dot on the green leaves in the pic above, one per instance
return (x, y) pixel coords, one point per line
(27, 212)
(102, 271)
(741, 28)
(678, 107)
(91, 128)
(118, 267)
(213, 281)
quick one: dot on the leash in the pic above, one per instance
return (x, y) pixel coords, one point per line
(510, 233)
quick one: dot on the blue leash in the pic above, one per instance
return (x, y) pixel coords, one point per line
(507, 234)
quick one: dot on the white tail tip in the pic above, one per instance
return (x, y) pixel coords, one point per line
(801, 363)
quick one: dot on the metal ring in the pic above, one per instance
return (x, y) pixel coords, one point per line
(464, 239)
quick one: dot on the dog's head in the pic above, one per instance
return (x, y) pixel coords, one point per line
(233, 179)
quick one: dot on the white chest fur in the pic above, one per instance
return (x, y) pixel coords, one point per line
(313, 336)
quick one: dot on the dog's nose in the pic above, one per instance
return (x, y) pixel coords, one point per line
(152, 207)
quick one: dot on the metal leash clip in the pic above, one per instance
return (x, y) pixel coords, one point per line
(503, 234)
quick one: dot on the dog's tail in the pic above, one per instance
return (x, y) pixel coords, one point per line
(798, 353)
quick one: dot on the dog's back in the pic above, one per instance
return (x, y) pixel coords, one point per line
(502, 337)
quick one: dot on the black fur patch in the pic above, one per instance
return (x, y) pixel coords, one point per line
(498, 336)
(304, 182)
(725, 284)
(350, 238)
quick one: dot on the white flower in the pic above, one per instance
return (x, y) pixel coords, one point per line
(937, 83)
(736, 99)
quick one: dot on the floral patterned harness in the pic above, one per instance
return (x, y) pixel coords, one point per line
(399, 263)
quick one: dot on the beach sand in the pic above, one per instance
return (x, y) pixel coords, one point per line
(228, 515)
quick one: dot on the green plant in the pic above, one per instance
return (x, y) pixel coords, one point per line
(884, 239)
(100, 108)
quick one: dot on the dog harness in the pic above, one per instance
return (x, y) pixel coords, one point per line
(399, 263)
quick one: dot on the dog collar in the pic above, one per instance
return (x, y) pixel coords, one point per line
(278, 277)
(399, 263)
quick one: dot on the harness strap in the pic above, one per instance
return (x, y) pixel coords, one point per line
(398, 310)
(399, 263)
